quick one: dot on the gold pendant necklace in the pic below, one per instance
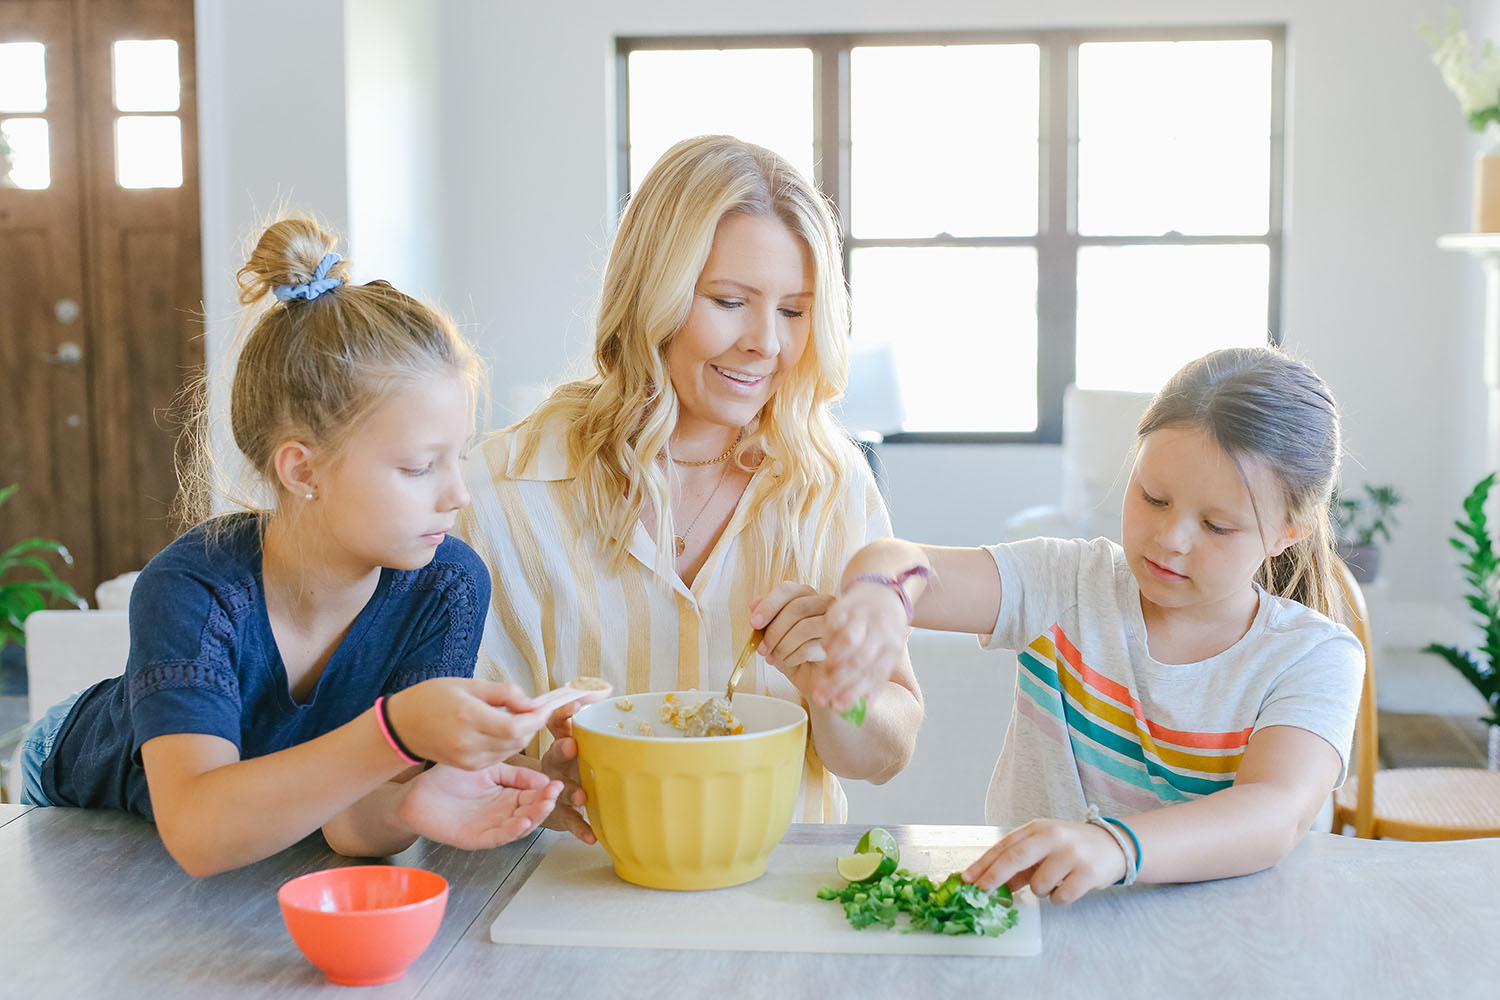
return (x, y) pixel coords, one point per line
(679, 542)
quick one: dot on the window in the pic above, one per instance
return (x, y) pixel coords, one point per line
(148, 141)
(25, 153)
(1021, 209)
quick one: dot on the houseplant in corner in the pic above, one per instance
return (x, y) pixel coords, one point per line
(28, 582)
(1361, 523)
(1481, 570)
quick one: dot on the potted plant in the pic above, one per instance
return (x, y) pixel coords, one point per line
(1361, 523)
(1481, 570)
(28, 583)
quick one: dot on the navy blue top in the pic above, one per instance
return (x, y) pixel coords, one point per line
(203, 660)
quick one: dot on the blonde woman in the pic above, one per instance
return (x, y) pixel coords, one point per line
(642, 521)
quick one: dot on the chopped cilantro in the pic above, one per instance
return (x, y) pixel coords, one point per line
(950, 907)
(856, 713)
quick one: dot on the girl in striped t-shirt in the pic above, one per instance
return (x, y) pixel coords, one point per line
(1190, 679)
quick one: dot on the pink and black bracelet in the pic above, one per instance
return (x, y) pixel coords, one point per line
(897, 583)
(383, 719)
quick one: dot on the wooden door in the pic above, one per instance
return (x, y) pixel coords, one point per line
(99, 392)
(46, 424)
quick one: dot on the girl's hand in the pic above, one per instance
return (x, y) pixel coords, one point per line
(476, 810)
(1057, 859)
(864, 643)
(462, 721)
(793, 616)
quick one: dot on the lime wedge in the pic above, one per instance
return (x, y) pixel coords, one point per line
(865, 867)
(879, 840)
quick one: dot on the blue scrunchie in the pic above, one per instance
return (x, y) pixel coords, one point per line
(319, 284)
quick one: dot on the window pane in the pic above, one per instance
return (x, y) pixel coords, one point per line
(148, 152)
(23, 77)
(764, 96)
(1174, 136)
(1145, 311)
(146, 76)
(943, 140)
(962, 324)
(25, 154)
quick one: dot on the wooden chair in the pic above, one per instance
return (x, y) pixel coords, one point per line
(1409, 803)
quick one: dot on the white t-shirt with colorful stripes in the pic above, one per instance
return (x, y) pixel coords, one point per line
(1098, 721)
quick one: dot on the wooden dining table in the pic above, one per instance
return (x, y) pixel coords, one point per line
(92, 905)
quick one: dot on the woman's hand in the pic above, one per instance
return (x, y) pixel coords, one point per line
(793, 616)
(475, 810)
(560, 763)
(1057, 859)
(462, 721)
(864, 644)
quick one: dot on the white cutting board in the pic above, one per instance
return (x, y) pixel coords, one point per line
(574, 897)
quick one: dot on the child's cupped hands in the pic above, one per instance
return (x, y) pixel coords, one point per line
(864, 644)
(1056, 859)
(480, 809)
(465, 722)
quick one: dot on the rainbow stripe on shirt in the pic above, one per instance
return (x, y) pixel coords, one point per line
(1117, 749)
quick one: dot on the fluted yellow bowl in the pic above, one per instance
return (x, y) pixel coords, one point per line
(690, 813)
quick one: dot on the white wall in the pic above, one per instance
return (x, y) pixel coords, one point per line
(1378, 168)
(395, 152)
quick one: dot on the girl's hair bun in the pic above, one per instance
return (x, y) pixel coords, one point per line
(287, 253)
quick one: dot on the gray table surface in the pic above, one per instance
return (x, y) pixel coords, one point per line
(90, 904)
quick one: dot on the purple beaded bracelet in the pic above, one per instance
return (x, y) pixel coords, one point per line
(895, 582)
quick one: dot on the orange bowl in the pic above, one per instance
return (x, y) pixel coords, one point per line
(364, 924)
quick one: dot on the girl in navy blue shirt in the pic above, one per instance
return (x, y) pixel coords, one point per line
(299, 667)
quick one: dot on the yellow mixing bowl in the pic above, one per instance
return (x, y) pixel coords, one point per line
(680, 813)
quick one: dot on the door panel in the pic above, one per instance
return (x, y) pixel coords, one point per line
(96, 457)
(45, 420)
(145, 291)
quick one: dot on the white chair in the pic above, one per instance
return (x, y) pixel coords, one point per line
(969, 693)
(66, 651)
(1098, 436)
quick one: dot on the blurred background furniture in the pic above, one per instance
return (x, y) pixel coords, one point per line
(1408, 803)
(66, 651)
(871, 407)
(968, 693)
(1098, 438)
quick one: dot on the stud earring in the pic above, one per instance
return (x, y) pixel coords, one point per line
(308, 497)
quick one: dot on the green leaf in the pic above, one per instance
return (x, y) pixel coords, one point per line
(34, 545)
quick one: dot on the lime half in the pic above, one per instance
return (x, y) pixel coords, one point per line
(879, 840)
(865, 867)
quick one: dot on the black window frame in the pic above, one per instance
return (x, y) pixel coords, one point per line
(1057, 240)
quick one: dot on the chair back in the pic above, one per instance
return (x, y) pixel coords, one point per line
(1367, 723)
(66, 651)
(1098, 437)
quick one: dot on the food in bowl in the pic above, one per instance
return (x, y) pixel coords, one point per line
(690, 813)
(710, 717)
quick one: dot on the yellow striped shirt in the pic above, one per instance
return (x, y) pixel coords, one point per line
(558, 611)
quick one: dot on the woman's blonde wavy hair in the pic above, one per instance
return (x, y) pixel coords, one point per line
(312, 369)
(619, 420)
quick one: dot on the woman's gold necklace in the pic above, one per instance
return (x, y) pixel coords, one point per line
(679, 542)
(715, 460)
